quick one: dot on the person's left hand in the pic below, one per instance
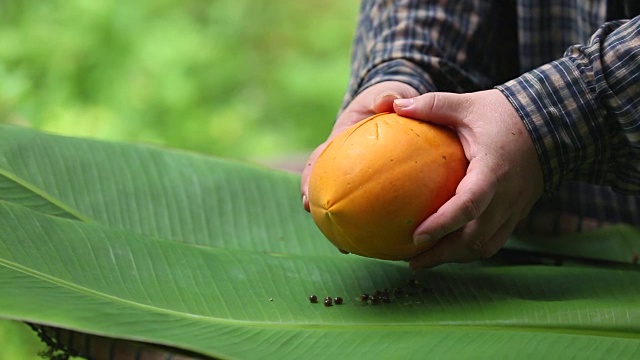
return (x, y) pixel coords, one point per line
(503, 181)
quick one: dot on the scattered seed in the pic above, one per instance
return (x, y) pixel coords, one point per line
(313, 299)
(338, 300)
(328, 302)
(389, 295)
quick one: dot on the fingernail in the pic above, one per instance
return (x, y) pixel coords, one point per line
(403, 103)
(384, 103)
(422, 239)
(387, 95)
(305, 203)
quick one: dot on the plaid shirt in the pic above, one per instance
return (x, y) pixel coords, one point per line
(580, 103)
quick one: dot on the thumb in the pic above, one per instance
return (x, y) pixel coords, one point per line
(447, 109)
(384, 102)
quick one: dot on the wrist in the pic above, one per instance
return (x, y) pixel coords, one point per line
(564, 122)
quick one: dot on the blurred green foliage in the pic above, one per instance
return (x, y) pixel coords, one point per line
(248, 79)
(19, 342)
(237, 78)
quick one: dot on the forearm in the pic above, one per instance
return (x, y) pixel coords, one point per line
(373, 59)
(429, 45)
(583, 111)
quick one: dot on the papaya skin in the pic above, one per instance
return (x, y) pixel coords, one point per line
(379, 179)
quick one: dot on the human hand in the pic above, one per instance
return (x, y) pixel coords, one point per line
(373, 100)
(503, 180)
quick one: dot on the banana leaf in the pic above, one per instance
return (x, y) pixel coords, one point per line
(216, 257)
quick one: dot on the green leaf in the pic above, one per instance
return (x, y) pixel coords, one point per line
(110, 282)
(615, 243)
(174, 195)
(217, 257)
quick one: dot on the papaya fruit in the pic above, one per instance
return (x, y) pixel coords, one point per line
(379, 179)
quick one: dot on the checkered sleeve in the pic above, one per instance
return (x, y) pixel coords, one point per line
(429, 45)
(583, 110)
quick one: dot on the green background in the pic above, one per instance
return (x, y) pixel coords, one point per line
(259, 80)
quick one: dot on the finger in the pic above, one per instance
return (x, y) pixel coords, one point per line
(485, 236)
(493, 244)
(458, 248)
(459, 245)
(441, 108)
(465, 245)
(384, 101)
(473, 196)
(306, 175)
(447, 250)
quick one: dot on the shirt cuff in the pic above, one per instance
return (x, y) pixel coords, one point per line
(397, 70)
(564, 121)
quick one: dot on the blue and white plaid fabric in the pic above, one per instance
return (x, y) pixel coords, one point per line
(571, 68)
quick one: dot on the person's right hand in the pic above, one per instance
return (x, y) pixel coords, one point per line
(373, 100)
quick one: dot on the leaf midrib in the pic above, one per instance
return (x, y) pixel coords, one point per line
(347, 326)
(41, 193)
